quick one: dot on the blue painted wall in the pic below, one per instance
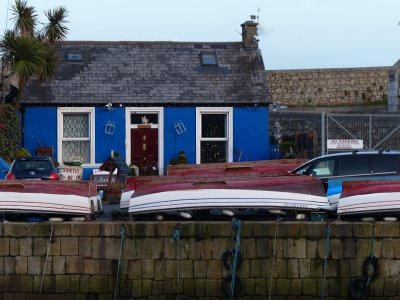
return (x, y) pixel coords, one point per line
(250, 134)
(107, 142)
(174, 142)
(40, 128)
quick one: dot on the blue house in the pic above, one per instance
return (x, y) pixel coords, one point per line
(149, 100)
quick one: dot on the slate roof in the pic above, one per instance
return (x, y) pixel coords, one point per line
(153, 73)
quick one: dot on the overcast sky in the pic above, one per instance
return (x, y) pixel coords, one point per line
(294, 34)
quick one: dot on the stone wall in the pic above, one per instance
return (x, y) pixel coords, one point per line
(82, 260)
(329, 87)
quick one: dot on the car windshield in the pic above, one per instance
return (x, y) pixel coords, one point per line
(36, 165)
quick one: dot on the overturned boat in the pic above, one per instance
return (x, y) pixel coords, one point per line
(370, 198)
(49, 198)
(229, 195)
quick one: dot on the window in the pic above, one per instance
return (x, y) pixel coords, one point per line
(76, 138)
(214, 135)
(74, 56)
(353, 165)
(208, 59)
(385, 164)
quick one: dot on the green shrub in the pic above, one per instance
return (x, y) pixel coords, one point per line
(10, 132)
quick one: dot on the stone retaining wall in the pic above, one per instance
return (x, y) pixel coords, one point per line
(83, 258)
(329, 87)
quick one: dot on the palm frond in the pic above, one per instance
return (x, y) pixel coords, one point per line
(24, 17)
(55, 29)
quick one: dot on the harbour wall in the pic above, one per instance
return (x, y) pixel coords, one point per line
(170, 260)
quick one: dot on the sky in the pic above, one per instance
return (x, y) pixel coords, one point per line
(293, 34)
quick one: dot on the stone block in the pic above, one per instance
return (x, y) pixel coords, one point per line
(39, 246)
(74, 284)
(260, 287)
(73, 264)
(305, 268)
(106, 248)
(34, 265)
(189, 287)
(309, 287)
(282, 287)
(300, 248)
(84, 283)
(134, 269)
(394, 268)
(148, 248)
(390, 287)
(377, 288)
(55, 247)
(147, 267)
(136, 288)
(69, 246)
(295, 287)
(387, 248)
(363, 230)
(146, 287)
(263, 248)
(129, 251)
(340, 229)
(26, 283)
(91, 266)
(200, 269)
(21, 265)
(349, 248)
(14, 283)
(288, 248)
(363, 248)
(281, 264)
(85, 247)
(62, 229)
(14, 247)
(85, 229)
(219, 246)
(264, 229)
(387, 229)
(248, 248)
(192, 244)
(98, 284)
(165, 229)
(336, 249)
(312, 230)
(248, 286)
(293, 268)
(4, 246)
(25, 246)
(58, 265)
(290, 229)
(312, 249)
(255, 268)
(199, 288)
(62, 283)
(214, 269)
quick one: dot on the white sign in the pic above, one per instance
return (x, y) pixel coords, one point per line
(345, 144)
(70, 173)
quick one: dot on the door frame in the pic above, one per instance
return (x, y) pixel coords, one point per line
(160, 126)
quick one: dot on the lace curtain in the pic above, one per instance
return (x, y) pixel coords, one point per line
(76, 137)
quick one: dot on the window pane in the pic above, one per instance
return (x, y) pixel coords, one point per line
(213, 125)
(76, 150)
(213, 152)
(139, 118)
(76, 126)
(355, 164)
(208, 59)
(385, 164)
(324, 168)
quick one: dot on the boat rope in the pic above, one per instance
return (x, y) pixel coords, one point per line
(238, 225)
(327, 252)
(175, 237)
(359, 289)
(278, 219)
(47, 257)
(20, 235)
(121, 247)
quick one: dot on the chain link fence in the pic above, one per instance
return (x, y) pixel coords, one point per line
(304, 134)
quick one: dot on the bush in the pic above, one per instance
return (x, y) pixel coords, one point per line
(10, 132)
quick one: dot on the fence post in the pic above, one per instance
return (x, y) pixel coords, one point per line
(323, 134)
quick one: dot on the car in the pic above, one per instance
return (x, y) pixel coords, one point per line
(333, 169)
(39, 168)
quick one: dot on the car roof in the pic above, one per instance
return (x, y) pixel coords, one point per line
(356, 152)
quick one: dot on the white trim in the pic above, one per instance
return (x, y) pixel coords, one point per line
(160, 126)
(60, 124)
(217, 110)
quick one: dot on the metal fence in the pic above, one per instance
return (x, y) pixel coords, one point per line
(304, 134)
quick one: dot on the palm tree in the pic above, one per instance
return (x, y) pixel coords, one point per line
(26, 52)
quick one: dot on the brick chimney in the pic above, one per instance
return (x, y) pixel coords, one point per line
(249, 33)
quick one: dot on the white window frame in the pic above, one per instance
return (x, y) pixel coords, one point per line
(214, 110)
(60, 121)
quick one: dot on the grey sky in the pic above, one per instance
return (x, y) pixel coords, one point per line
(294, 34)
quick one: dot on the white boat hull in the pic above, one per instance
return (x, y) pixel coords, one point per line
(370, 204)
(198, 199)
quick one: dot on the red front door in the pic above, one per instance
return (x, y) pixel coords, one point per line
(144, 150)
